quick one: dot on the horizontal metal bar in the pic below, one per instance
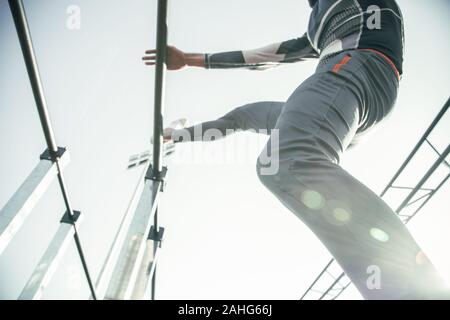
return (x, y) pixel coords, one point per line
(46, 267)
(26, 197)
(411, 188)
(418, 199)
(113, 255)
(130, 258)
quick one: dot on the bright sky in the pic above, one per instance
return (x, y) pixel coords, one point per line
(226, 235)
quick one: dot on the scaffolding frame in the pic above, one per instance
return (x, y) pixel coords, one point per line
(129, 271)
(332, 273)
(50, 166)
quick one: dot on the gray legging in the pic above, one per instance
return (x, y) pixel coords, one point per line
(347, 95)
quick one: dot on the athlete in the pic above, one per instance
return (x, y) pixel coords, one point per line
(359, 44)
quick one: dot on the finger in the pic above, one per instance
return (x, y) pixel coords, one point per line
(149, 58)
(150, 63)
(150, 51)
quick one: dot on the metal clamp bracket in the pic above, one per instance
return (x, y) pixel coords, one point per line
(70, 219)
(157, 176)
(51, 156)
(156, 236)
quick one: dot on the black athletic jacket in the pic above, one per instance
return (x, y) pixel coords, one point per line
(334, 26)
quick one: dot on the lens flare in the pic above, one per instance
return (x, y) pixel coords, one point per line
(341, 215)
(379, 235)
(421, 259)
(313, 200)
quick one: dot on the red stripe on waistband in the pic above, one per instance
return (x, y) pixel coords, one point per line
(343, 62)
(391, 63)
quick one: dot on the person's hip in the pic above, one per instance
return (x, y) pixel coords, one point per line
(370, 77)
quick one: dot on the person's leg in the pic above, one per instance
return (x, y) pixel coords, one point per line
(253, 116)
(363, 234)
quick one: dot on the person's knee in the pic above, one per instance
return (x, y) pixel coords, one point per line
(250, 116)
(236, 118)
(270, 174)
(285, 173)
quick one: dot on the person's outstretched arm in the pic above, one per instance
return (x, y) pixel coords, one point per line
(290, 51)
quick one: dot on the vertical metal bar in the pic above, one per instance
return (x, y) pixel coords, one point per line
(419, 144)
(161, 52)
(153, 283)
(23, 32)
(155, 248)
(76, 237)
(20, 20)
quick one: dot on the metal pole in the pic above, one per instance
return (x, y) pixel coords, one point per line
(155, 247)
(23, 32)
(161, 52)
(153, 284)
(20, 20)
